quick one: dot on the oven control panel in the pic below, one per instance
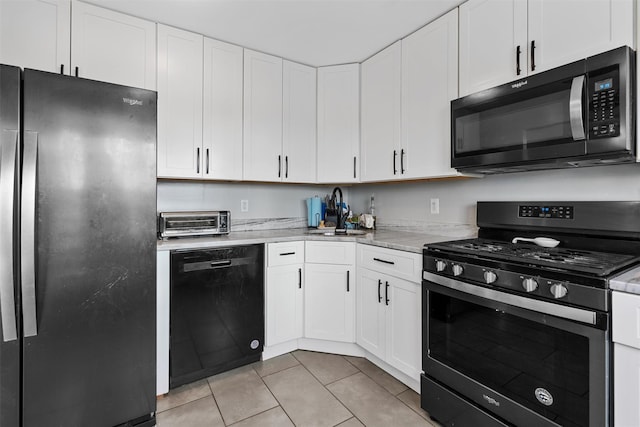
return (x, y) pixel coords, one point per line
(535, 285)
(546, 211)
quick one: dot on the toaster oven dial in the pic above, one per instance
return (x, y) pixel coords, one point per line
(529, 284)
(457, 269)
(440, 265)
(490, 276)
(558, 291)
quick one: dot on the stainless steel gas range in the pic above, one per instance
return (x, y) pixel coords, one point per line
(519, 334)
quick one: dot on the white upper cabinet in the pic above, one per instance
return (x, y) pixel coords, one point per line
(493, 40)
(565, 31)
(180, 153)
(299, 122)
(262, 117)
(112, 47)
(429, 84)
(503, 40)
(36, 34)
(381, 119)
(338, 124)
(222, 120)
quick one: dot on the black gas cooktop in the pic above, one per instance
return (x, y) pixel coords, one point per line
(571, 260)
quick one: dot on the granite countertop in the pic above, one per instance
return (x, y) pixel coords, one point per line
(388, 237)
(627, 282)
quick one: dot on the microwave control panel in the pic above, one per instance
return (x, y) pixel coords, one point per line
(604, 105)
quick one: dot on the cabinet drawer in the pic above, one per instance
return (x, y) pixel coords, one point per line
(626, 319)
(405, 265)
(343, 253)
(285, 253)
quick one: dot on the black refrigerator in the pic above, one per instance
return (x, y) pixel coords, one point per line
(77, 252)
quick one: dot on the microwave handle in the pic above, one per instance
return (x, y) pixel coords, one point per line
(575, 108)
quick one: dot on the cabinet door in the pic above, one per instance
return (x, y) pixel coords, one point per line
(284, 303)
(36, 34)
(490, 33)
(370, 313)
(262, 117)
(429, 83)
(299, 122)
(179, 103)
(329, 302)
(566, 31)
(381, 96)
(403, 323)
(339, 123)
(113, 47)
(626, 385)
(222, 110)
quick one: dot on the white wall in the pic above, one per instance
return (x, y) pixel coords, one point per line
(409, 202)
(265, 200)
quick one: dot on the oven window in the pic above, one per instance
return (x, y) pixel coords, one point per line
(520, 125)
(524, 360)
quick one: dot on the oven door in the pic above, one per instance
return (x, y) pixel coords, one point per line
(546, 367)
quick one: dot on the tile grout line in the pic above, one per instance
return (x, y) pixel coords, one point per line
(271, 391)
(215, 402)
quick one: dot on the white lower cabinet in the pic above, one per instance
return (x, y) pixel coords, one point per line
(626, 359)
(330, 291)
(284, 292)
(388, 318)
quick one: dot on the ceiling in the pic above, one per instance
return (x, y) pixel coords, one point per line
(312, 32)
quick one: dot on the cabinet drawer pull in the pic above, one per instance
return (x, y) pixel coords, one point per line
(76, 71)
(198, 160)
(379, 295)
(533, 55)
(386, 293)
(402, 161)
(299, 278)
(61, 68)
(347, 280)
(279, 166)
(207, 161)
(518, 70)
(287, 253)
(384, 261)
(286, 166)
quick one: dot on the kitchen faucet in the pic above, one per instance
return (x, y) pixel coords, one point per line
(340, 216)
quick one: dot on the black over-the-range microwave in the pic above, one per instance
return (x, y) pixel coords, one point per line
(580, 114)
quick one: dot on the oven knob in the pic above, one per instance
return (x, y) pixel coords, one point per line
(529, 284)
(490, 277)
(558, 290)
(440, 265)
(457, 269)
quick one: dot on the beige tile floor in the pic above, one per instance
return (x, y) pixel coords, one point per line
(302, 388)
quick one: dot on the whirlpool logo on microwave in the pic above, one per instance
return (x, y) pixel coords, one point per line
(131, 101)
(519, 84)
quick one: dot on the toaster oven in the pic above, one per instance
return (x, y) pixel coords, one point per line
(193, 224)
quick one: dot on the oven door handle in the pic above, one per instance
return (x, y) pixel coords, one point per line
(565, 312)
(575, 108)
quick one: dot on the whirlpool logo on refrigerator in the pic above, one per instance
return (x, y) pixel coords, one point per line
(131, 101)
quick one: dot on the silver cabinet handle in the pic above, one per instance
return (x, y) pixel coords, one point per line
(207, 161)
(28, 227)
(575, 108)
(198, 160)
(8, 167)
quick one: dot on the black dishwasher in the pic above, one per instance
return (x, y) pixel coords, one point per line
(217, 311)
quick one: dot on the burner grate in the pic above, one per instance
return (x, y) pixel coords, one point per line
(593, 262)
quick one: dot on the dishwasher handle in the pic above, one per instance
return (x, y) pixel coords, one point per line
(207, 265)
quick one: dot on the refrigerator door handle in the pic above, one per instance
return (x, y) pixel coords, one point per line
(8, 169)
(28, 224)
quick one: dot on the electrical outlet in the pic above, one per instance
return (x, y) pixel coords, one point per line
(244, 206)
(435, 206)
